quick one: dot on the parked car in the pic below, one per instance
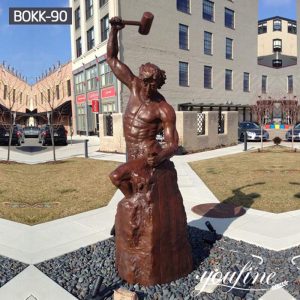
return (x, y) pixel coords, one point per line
(42, 128)
(59, 135)
(252, 130)
(31, 132)
(20, 128)
(288, 135)
(4, 135)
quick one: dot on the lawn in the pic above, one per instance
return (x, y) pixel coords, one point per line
(35, 194)
(269, 180)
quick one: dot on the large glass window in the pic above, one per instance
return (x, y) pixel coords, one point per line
(104, 28)
(183, 5)
(183, 37)
(229, 18)
(228, 80)
(79, 83)
(90, 38)
(77, 18)
(262, 28)
(277, 44)
(207, 77)
(277, 25)
(246, 82)
(102, 2)
(208, 10)
(106, 75)
(264, 80)
(78, 47)
(88, 8)
(229, 51)
(183, 73)
(292, 27)
(207, 43)
(290, 84)
(91, 78)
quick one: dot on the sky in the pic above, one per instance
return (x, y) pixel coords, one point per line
(32, 49)
(282, 8)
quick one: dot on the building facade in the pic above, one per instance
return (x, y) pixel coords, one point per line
(210, 50)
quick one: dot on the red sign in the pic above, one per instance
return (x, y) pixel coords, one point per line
(80, 98)
(95, 106)
(108, 92)
(93, 96)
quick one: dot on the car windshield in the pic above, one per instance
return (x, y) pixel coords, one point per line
(249, 126)
(31, 128)
(297, 126)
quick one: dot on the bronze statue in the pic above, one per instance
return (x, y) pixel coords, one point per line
(150, 226)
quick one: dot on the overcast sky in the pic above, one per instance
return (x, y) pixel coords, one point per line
(33, 49)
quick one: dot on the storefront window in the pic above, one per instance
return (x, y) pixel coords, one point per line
(91, 78)
(106, 75)
(79, 83)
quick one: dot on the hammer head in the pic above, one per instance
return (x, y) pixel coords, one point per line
(146, 23)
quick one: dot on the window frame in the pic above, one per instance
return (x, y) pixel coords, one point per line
(230, 25)
(77, 17)
(208, 84)
(89, 9)
(274, 26)
(210, 5)
(230, 54)
(183, 37)
(78, 43)
(184, 82)
(184, 8)
(264, 84)
(228, 87)
(90, 38)
(290, 84)
(246, 82)
(208, 50)
(104, 25)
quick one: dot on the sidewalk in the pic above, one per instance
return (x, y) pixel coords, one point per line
(34, 244)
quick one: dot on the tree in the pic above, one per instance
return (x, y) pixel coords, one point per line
(13, 91)
(291, 110)
(263, 110)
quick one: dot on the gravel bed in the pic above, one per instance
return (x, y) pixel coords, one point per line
(77, 271)
(9, 268)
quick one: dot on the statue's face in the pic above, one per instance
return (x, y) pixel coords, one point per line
(150, 86)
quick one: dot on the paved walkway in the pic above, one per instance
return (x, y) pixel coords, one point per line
(34, 244)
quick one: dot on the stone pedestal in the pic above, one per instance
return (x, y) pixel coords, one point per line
(151, 231)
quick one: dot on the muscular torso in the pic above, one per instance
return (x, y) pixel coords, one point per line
(142, 122)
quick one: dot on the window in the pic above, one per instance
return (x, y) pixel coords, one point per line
(57, 92)
(229, 43)
(208, 10)
(102, 2)
(90, 38)
(14, 95)
(104, 28)
(277, 63)
(88, 8)
(277, 25)
(91, 78)
(35, 100)
(290, 84)
(229, 18)
(246, 85)
(5, 92)
(228, 80)
(42, 98)
(78, 47)
(264, 84)
(69, 88)
(183, 73)
(79, 83)
(207, 43)
(207, 77)
(77, 18)
(21, 96)
(262, 28)
(106, 75)
(183, 5)
(183, 37)
(277, 45)
(292, 27)
(49, 96)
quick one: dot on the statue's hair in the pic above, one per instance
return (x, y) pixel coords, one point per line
(151, 71)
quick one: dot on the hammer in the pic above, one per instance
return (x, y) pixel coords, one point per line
(144, 24)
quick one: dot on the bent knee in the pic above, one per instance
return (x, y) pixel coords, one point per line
(115, 178)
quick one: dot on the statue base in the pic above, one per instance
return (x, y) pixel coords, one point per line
(151, 239)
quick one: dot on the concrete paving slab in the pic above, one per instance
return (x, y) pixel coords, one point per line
(279, 294)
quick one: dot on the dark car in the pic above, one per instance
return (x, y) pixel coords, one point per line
(59, 135)
(16, 138)
(253, 132)
(288, 135)
(31, 132)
